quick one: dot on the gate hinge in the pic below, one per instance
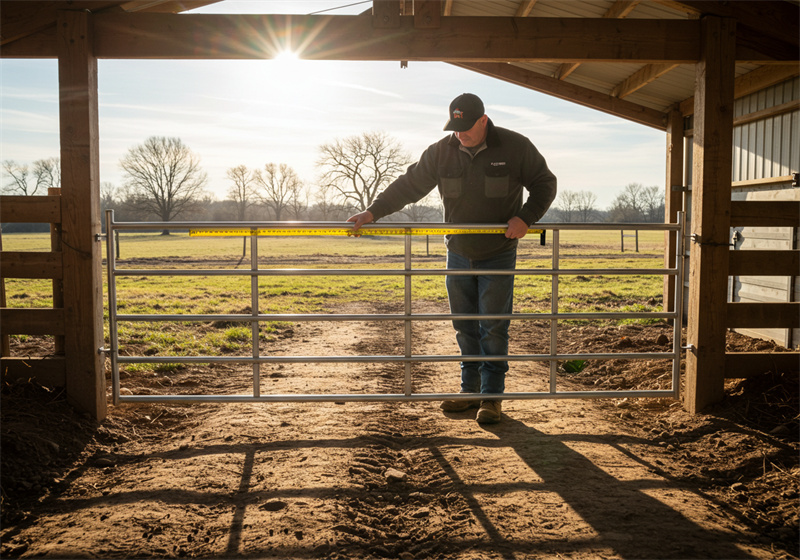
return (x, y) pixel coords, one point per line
(103, 350)
(99, 237)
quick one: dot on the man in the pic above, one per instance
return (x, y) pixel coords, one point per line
(481, 171)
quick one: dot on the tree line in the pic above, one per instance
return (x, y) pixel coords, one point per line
(164, 181)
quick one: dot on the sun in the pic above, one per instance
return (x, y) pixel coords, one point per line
(286, 57)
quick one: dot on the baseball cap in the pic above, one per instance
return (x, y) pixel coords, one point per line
(465, 110)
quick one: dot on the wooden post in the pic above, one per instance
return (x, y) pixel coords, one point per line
(58, 284)
(80, 195)
(711, 213)
(5, 341)
(673, 200)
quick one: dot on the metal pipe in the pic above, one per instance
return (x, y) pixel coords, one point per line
(392, 359)
(111, 260)
(377, 228)
(320, 317)
(356, 397)
(396, 272)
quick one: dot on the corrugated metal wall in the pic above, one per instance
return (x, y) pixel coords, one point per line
(768, 147)
(765, 148)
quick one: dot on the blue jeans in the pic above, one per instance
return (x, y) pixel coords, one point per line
(487, 294)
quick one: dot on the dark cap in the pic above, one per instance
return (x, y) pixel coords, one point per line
(465, 110)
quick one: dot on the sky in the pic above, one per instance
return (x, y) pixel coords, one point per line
(255, 112)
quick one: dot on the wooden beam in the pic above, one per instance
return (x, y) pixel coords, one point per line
(645, 75)
(80, 196)
(48, 370)
(619, 9)
(16, 320)
(711, 202)
(525, 7)
(761, 19)
(324, 37)
(427, 14)
(570, 92)
(765, 213)
(673, 202)
(18, 264)
(750, 364)
(386, 14)
(448, 8)
(21, 19)
(764, 263)
(764, 315)
(33, 209)
(753, 81)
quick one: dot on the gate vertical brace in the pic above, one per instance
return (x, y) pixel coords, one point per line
(554, 311)
(113, 337)
(254, 311)
(678, 303)
(407, 321)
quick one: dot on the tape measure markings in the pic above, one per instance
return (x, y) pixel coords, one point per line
(346, 232)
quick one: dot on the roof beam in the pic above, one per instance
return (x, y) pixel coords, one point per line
(777, 19)
(641, 78)
(459, 39)
(618, 10)
(570, 92)
(525, 7)
(20, 20)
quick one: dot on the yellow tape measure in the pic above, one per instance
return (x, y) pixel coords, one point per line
(211, 232)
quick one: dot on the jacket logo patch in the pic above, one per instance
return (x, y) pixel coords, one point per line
(497, 163)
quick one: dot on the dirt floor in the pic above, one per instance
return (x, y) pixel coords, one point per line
(580, 479)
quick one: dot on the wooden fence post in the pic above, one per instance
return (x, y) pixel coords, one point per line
(711, 214)
(83, 302)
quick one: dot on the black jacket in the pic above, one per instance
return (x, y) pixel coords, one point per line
(483, 188)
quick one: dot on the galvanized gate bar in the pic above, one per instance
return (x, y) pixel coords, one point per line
(408, 317)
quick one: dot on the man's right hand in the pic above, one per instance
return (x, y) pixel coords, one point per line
(360, 219)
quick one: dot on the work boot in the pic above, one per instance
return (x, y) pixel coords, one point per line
(459, 406)
(490, 412)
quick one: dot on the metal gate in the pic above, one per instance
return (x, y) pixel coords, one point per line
(255, 229)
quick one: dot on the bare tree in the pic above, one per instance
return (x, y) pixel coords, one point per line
(358, 167)
(242, 189)
(629, 205)
(298, 202)
(653, 204)
(163, 176)
(325, 205)
(585, 205)
(276, 185)
(241, 192)
(567, 204)
(48, 172)
(27, 181)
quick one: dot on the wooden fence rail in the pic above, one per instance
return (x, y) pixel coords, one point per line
(763, 263)
(48, 370)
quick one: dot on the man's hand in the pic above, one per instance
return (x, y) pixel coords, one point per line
(517, 228)
(362, 218)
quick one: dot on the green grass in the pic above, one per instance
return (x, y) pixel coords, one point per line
(140, 294)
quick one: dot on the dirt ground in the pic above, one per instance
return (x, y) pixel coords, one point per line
(580, 479)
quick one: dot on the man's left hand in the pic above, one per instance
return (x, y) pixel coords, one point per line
(517, 228)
